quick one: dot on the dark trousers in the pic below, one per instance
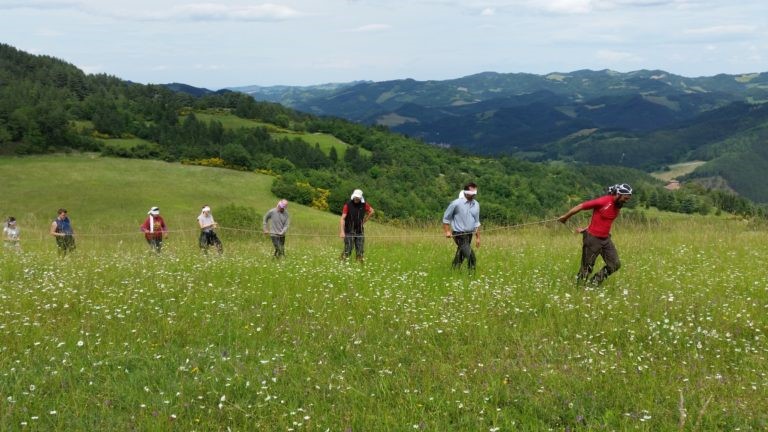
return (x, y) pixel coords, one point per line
(156, 243)
(65, 243)
(208, 239)
(464, 250)
(279, 243)
(356, 241)
(592, 247)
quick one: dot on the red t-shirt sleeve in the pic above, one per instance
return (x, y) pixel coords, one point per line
(344, 210)
(591, 204)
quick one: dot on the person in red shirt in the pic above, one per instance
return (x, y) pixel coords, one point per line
(154, 229)
(597, 236)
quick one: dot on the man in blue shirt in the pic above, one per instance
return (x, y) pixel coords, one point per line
(61, 228)
(460, 221)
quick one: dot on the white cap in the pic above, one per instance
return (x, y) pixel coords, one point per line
(357, 193)
(154, 211)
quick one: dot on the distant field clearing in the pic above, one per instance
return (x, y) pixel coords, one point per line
(678, 170)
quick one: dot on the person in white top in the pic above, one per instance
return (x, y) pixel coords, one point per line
(11, 233)
(208, 236)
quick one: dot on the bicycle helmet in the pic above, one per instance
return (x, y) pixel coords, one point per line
(622, 189)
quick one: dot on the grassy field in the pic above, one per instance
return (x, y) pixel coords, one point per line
(112, 195)
(113, 337)
(325, 141)
(231, 121)
(129, 143)
(678, 170)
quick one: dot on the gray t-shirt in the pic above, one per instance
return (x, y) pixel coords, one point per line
(276, 222)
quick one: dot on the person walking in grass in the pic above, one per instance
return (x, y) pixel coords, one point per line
(461, 220)
(11, 234)
(154, 229)
(61, 229)
(597, 236)
(275, 223)
(354, 215)
(208, 236)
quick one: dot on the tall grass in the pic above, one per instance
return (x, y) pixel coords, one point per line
(114, 337)
(119, 338)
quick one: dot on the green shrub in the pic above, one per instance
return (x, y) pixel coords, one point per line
(239, 217)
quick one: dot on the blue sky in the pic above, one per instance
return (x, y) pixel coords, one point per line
(304, 42)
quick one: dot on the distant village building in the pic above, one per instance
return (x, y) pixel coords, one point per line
(672, 185)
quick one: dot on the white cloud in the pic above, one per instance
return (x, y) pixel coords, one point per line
(154, 11)
(569, 6)
(221, 12)
(342, 64)
(92, 69)
(573, 7)
(649, 3)
(370, 28)
(48, 32)
(209, 67)
(616, 56)
(216, 12)
(723, 30)
(39, 4)
(190, 40)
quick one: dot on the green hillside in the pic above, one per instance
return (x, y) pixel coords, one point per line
(645, 119)
(112, 195)
(48, 106)
(232, 122)
(741, 160)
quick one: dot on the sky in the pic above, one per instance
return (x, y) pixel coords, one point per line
(232, 43)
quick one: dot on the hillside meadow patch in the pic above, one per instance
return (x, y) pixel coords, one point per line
(116, 337)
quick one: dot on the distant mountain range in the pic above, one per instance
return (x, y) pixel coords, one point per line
(645, 119)
(193, 91)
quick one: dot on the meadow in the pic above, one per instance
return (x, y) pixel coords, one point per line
(231, 121)
(677, 170)
(113, 337)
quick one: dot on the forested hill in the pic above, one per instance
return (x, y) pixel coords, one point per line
(646, 119)
(48, 105)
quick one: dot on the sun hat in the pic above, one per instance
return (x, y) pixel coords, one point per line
(154, 211)
(357, 193)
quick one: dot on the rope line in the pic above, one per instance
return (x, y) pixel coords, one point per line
(292, 234)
